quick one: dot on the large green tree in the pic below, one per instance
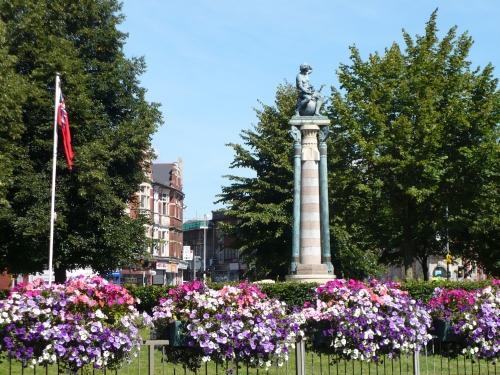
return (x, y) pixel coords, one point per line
(262, 203)
(417, 141)
(111, 125)
(13, 92)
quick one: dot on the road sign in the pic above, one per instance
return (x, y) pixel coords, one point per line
(187, 253)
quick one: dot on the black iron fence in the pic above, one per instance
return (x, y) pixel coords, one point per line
(152, 360)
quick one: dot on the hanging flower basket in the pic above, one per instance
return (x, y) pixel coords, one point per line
(352, 320)
(444, 333)
(236, 324)
(174, 332)
(320, 339)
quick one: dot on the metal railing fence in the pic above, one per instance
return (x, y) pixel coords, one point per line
(303, 361)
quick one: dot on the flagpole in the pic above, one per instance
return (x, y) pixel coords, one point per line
(54, 162)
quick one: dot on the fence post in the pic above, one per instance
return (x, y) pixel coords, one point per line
(416, 362)
(300, 357)
(151, 353)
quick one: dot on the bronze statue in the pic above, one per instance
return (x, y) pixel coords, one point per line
(309, 101)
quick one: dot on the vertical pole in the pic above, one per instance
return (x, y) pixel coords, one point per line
(151, 359)
(205, 226)
(297, 147)
(326, 257)
(300, 357)
(194, 265)
(416, 363)
(53, 194)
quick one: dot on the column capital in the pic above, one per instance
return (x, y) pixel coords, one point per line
(309, 120)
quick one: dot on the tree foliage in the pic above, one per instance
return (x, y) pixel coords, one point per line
(111, 124)
(262, 204)
(417, 139)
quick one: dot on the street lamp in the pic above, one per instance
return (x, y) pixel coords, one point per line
(204, 227)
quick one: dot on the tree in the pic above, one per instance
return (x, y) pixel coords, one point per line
(111, 125)
(417, 145)
(262, 205)
(13, 89)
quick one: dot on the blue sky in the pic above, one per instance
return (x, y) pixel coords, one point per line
(211, 61)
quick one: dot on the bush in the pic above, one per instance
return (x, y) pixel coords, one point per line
(422, 290)
(292, 293)
(295, 294)
(149, 295)
(4, 293)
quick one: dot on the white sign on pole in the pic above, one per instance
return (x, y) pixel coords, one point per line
(187, 253)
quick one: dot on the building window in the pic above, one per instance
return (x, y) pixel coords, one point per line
(144, 198)
(163, 243)
(164, 204)
(155, 241)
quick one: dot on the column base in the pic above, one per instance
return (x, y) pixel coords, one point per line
(315, 273)
(311, 278)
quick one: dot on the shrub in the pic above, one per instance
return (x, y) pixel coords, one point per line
(148, 295)
(423, 290)
(292, 293)
(296, 294)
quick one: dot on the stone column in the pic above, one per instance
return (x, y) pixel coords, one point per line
(310, 224)
(310, 266)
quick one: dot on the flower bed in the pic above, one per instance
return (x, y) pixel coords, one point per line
(472, 316)
(84, 321)
(236, 323)
(353, 320)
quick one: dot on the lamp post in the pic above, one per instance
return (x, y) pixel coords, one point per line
(204, 227)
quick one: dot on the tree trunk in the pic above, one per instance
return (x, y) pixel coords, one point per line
(408, 264)
(425, 267)
(406, 242)
(60, 275)
(408, 259)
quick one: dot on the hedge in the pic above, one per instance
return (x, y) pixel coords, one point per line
(148, 295)
(423, 289)
(4, 293)
(295, 294)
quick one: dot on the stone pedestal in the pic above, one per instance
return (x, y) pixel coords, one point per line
(309, 259)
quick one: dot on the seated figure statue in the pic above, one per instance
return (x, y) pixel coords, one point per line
(309, 101)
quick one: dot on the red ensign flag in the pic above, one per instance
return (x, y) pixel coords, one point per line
(63, 122)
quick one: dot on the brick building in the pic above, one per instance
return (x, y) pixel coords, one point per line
(162, 200)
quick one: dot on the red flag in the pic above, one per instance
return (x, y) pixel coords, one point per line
(63, 122)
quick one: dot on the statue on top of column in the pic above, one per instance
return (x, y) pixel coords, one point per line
(309, 101)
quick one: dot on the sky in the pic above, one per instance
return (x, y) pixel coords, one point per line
(211, 62)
